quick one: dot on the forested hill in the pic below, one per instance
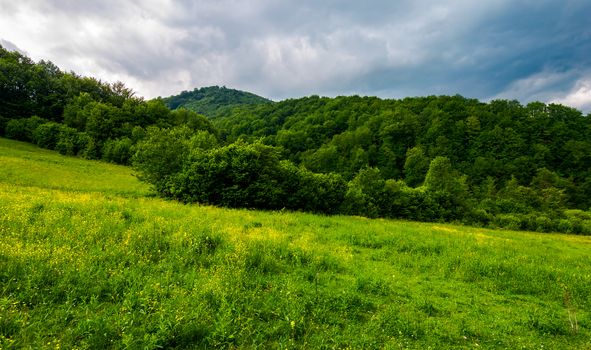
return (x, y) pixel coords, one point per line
(491, 143)
(436, 158)
(213, 101)
(345, 134)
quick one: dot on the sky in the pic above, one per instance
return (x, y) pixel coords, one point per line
(529, 50)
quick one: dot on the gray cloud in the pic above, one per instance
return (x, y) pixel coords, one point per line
(487, 49)
(11, 46)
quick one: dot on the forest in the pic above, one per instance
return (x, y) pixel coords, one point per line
(435, 158)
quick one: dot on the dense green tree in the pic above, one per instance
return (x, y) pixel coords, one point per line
(237, 175)
(70, 141)
(415, 166)
(117, 151)
(75, 115)
(527, 167)
(190, 119)
(47, 135)
(213, 101)
(161, 154)
(365, 193)
(23, 129)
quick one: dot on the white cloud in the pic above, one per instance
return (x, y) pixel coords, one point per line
(579, 96)
(571, 88)
(536, 86)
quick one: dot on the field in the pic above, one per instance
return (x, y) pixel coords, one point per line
(89, 258)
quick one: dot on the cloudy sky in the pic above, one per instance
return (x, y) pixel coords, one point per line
(520, 49)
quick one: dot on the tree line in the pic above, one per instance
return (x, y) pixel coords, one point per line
(79, 115)
(436, 158)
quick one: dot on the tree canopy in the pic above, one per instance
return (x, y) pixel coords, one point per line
(432, 158)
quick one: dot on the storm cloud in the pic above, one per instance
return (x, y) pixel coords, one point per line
(525, 50)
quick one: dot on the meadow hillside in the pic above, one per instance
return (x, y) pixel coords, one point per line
(497, 164)
(90, 259)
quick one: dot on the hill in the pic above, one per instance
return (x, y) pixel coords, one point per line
(435, 158)
(213, 101)
(92, 261)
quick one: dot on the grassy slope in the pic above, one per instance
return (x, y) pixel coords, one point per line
(87, 260)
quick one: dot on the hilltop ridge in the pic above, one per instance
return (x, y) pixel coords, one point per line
(213, 101)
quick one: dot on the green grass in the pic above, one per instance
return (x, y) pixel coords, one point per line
(88, 261)
(24, 164)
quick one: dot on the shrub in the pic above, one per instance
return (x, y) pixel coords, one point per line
(564, 225)
(160, 154)
(419, 205)
(304, 190)
(478, 216)
(47, 135)
(3, 122)
(585, 228)
(69, 142)
(90, 148)
(507, 221)
(22, 129)
(544, 224)
(237, 175)
(117, 151)
(365, 193)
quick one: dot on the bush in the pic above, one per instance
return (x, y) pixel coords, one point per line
(544, 224)
(507, 221)
(90, 148)
(17, 129)
(585, 228)
(238, 175)
(478, 216)
(69, 142)
(47, 135)
(364, 194)
(3, 122)
(137, 134)
(117, 151)
(564, 225)
(419, 205)
(22, 129)
(506, 206)
(161, 154)
(304, 190)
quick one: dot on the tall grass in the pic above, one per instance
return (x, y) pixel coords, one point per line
(99, 265)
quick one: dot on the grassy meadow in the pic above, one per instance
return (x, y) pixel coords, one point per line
(90, 259)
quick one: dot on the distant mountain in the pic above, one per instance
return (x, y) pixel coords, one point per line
(213, 101)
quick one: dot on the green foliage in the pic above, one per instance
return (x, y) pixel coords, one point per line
(3, 122)
(365, 193)
(460, 159)
(75, 113)
(23, 129)
(213, 101)
(312, 192)
(100, 120)
(191, 119)
(238, 175)
(70, 141)
(162, 153)
(89, 261)
(104, 114)
(47, 135)
(28, 88)
(117, 151)
(415, 166)
(442, 177)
